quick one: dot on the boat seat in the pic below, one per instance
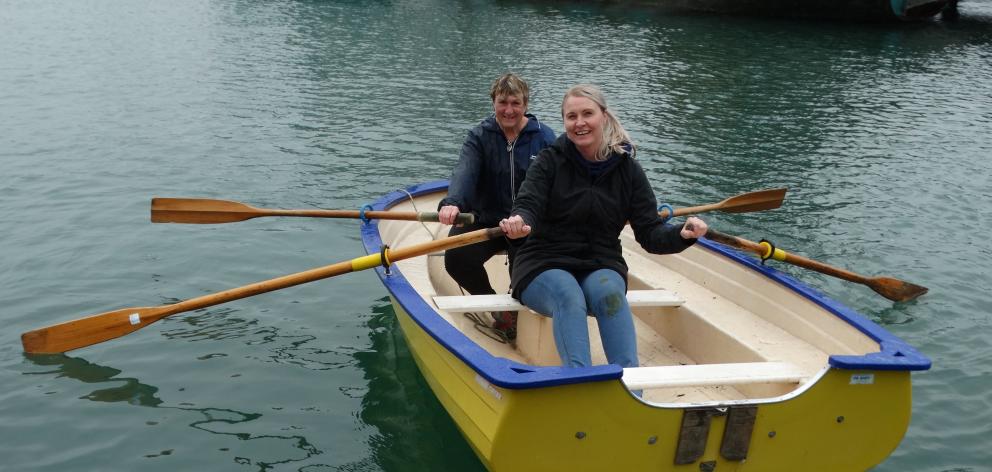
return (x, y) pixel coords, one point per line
(505, 302)
(705, 375)
(534, 339)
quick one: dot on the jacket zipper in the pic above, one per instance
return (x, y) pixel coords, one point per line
(513, 187)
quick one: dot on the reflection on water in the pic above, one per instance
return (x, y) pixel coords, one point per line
(217, 421)
(131, 390)
(414, 431)
(275, 345)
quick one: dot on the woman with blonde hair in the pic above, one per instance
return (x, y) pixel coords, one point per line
(579, 194)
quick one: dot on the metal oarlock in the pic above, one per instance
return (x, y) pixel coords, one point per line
(671, 211)
(769, 250)
(384, 258)
(361, 214)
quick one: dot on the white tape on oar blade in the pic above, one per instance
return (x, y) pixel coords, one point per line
(134, 318)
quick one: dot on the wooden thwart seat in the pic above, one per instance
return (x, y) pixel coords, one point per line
(640, 378)
(505, 302)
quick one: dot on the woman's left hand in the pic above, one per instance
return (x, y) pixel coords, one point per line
(694, 228)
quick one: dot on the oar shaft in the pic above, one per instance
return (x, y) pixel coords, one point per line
(259, 288)
(211, 211)
(759, 200)
(372, 215)
(690, 210)
(781, 255)
(344, 267)
(95, 329)
(888, 287)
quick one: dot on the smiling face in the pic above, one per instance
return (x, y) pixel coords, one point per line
(510, 111)
(584, 125)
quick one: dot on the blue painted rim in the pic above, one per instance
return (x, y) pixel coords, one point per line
(895, 354)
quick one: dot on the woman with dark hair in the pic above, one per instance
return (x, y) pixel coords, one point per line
(577, 197)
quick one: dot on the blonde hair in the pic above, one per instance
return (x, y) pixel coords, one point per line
(510, 84)
(614, 136)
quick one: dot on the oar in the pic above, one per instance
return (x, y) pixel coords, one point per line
(744, 203)
(106, 326)
(888, 287)
(207, 211)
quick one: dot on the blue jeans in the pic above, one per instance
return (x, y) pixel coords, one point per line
(567, 298)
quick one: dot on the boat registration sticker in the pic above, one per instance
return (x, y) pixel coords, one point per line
(862, 379)
(488, 387)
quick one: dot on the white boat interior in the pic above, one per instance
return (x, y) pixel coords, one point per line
(708, 329)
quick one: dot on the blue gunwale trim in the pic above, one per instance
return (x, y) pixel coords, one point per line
(894, 355)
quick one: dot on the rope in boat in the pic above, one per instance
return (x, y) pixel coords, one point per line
(487, 330)
(477, 319)
(414, 204)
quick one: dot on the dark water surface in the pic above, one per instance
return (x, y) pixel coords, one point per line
(883, 135)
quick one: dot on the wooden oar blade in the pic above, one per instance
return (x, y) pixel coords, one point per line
(895, 289)
(200, 211)
(88, 331)
(761, 200)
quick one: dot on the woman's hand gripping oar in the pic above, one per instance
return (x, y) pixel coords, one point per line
(106, 326)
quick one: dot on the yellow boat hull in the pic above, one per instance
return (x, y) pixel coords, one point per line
(835, 425)
(846, 410)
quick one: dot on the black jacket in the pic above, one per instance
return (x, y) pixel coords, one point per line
(482, 181)
(576, 219)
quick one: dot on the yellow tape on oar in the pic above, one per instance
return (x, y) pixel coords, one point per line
(372, 260)
(771, 252)
(366, 262)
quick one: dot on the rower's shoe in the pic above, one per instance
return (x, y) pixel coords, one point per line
(505, 322)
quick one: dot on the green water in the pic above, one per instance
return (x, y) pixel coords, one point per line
(883, 135)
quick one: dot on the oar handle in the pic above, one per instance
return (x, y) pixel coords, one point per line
(427, 216)
(461, 219)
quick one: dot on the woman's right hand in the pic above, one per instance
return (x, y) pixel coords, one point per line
(514, 227)
(447, 214)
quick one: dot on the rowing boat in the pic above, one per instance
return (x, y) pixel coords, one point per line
(743, 367)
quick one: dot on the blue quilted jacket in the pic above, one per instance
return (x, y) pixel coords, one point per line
(489, 170)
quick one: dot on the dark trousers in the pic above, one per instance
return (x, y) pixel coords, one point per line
(464, 264)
